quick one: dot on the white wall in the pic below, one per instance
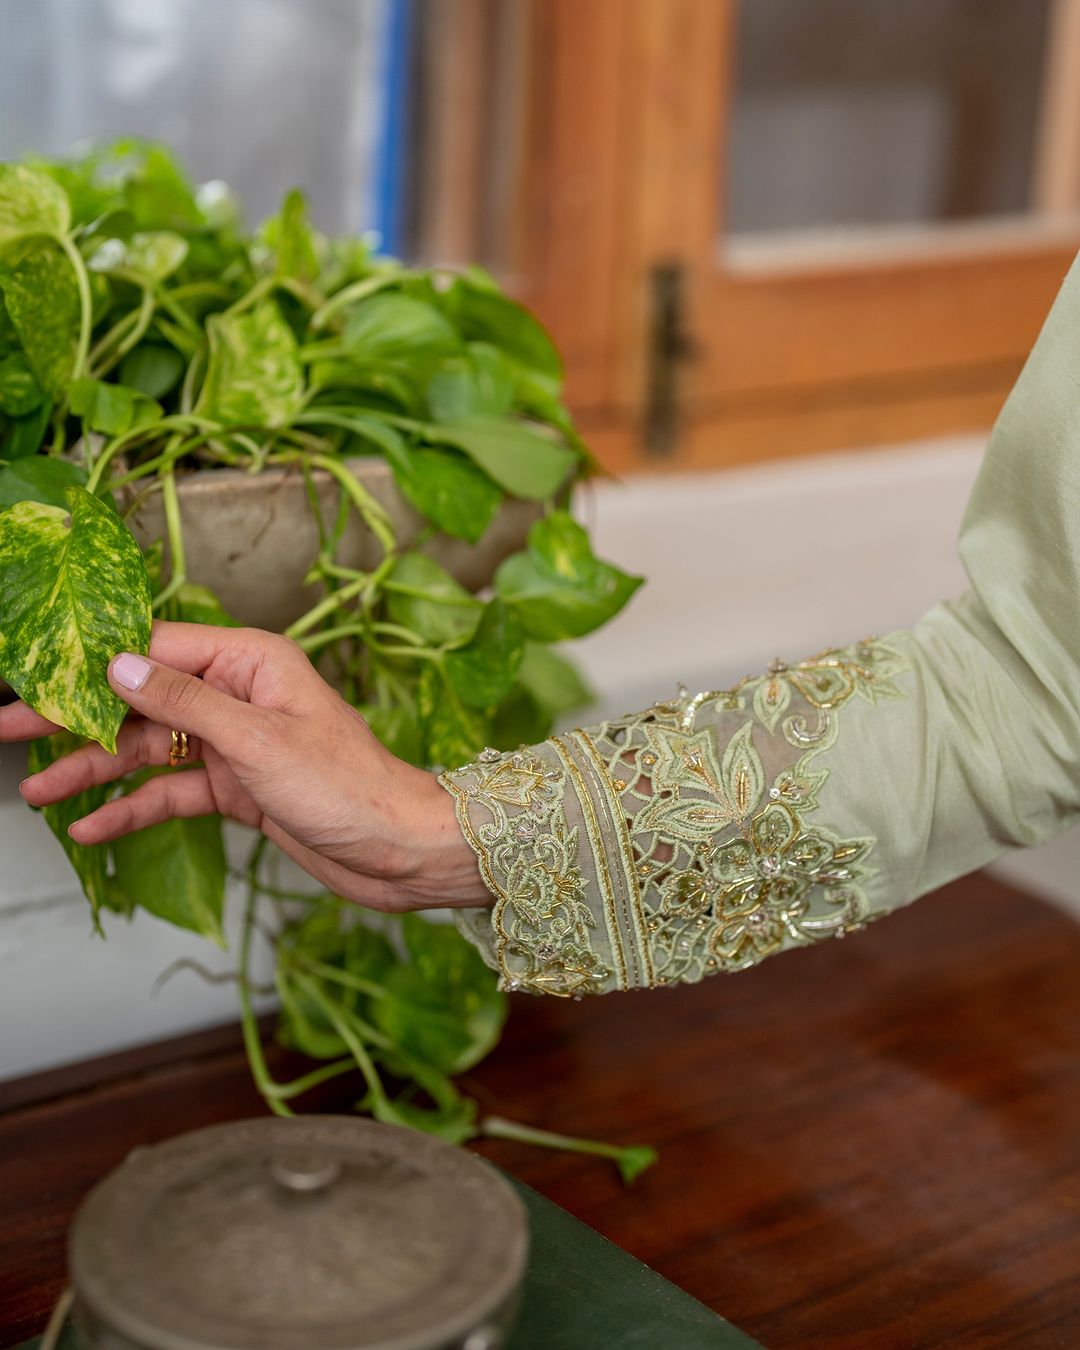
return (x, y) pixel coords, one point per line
(743, 566)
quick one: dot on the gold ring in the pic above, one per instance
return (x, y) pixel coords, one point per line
(178, 750)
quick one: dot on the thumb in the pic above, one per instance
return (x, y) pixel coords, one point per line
(175, 699)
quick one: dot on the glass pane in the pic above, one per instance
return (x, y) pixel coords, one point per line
(354, 101)
(874, 112)
(258, 93)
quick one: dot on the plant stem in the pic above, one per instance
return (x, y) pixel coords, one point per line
(86, 305)
(358, 290)
(371, 512)
(346, 1030)
(180, 315)
(326, 607)
(454, 601)
(256, 293)
(175, 422)
(175, 531)
(337, 975)
(396, 630)
(286, 1091)
(194, 368)
(252, 1044)
(630, 1159)
(142, 318)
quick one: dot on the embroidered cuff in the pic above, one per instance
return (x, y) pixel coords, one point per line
(664, 846)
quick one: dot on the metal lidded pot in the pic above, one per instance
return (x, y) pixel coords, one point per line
(310, 1233)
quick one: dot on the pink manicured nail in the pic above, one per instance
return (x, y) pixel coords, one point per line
(130, 671)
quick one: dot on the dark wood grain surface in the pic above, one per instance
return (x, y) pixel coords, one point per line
(873, 1144)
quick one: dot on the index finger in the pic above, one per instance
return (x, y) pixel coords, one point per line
(191, 647)
(20, 723)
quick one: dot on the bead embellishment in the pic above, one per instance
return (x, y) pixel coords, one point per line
(712, 795)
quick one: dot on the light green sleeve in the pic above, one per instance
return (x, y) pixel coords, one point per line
(714, 830)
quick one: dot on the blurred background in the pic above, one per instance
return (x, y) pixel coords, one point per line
(794, 252)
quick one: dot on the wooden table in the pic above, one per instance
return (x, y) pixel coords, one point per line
(869, 1145)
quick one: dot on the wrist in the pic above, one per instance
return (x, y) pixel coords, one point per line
(429, 857)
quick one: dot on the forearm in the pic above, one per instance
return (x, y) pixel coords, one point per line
(713, 831)
(710, 832)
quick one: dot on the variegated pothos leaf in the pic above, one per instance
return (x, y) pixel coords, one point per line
(253, 373)
(31, 203)
(90, 861)
(73, 593)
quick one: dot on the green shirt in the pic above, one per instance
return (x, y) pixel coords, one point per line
(718, 828)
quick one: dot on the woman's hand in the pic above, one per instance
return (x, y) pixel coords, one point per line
(272, 746)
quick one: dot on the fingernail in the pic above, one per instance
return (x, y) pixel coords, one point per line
(130, 671)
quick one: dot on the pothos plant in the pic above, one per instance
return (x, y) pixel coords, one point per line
(144, 334)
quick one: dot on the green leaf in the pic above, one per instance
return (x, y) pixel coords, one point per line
(454, 1121)
(199, 604)
(31, 203)
(424, 597)
(552, 680)
(290, 237)
(159, 195)
(9, 338)
(41, 296)
(20, 392)
(396, 328)
(519, 720)
(558, 588)
(176, 871)
(451, 492)
(482, 673)
(328, 934)
(523, 461)
(253, 376)
(304, 1025)
(484, 315)
(397, 728)
(156, 254)
(453, 733)
(73, 593)
(152, 368)
(110, 408)
(39, 478)
(368, 387)
(451, 393)
(446, 1009)
(480, 383)
(151, 255)
(22, 437)
(90, 861)
(634, 1160)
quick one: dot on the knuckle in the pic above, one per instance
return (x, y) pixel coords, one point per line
(125, 815)
(140, 750)
(282, 648)
(177, 693)
(87, 771)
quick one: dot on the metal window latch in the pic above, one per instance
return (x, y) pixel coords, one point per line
(670, 347)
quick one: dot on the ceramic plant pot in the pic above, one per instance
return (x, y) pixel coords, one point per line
(251, 538)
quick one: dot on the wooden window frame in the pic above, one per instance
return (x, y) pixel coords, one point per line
(621, 151)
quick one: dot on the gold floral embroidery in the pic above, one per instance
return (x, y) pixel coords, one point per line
(528, 856)
(712, 798)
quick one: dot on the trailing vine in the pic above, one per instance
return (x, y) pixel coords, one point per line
(145, 335)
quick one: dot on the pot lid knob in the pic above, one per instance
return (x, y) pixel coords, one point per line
(304, 1175)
